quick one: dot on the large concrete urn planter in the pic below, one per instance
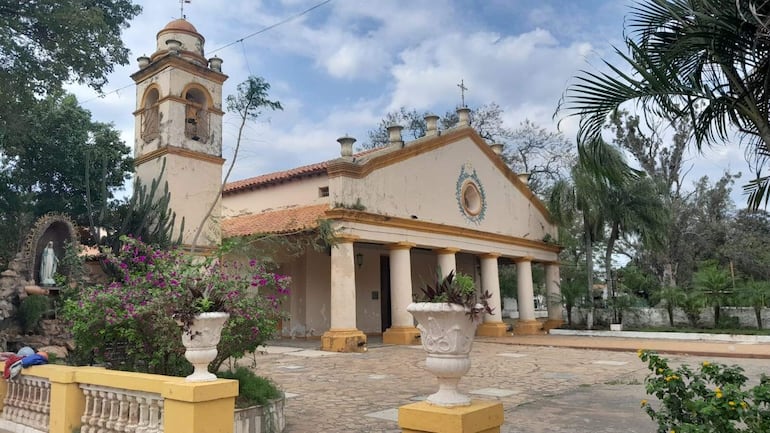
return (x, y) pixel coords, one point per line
(446, 331)
(268, 418)
(200, 341)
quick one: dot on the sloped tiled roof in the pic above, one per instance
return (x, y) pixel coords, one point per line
(277, 177)
(278, 221)
(286, 175)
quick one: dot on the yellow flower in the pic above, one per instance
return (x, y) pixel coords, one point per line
(731, 403)
(644, 403)
(660, 370)
(706, 363)
(744, 404)
(672, 431)
(718, 389)
(719, 395)
(640, 352)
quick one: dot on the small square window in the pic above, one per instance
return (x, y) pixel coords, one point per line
(323, 191)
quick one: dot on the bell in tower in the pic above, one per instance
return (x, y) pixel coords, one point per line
(178, 123)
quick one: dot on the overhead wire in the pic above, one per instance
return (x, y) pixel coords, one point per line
(250, 35)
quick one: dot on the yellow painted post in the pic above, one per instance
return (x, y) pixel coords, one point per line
(199, 407)
(3, 392)
(67, 399)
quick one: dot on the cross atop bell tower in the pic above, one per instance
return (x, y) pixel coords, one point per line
(178, 124)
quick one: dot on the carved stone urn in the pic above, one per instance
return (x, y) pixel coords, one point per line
(447, 333)
(200, 341)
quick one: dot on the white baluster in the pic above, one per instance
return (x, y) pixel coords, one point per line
(133, 414)
(86, 417)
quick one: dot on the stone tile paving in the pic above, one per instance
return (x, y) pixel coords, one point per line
(547, 389)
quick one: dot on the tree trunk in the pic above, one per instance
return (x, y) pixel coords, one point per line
(589, 271)
(670, 309)
(608, 270)
(758, 313)
(569, 315)
(716, 315)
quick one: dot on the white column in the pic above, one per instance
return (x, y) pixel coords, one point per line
(343, 285)
(490, 281)
(446, 260)
(525, 291)
(553, 291)
(400, 284)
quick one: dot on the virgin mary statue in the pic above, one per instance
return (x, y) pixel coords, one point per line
(48, 263)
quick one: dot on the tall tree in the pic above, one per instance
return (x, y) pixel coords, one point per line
(746, 244)
(55, 164)
(703, 62)
(46, 43)
(249, 103)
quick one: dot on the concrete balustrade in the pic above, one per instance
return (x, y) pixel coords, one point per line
(59, 399)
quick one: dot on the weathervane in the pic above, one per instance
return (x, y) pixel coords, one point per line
(462, 91)
(181, 8)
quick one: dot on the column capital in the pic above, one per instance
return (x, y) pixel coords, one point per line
(346, 238)
(523, 259)
(401, 246)
(449, 250)
(489, 255)
(552, 263)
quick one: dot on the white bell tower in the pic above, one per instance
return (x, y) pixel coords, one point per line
(178, 120)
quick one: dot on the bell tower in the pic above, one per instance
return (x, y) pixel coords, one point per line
(178, 124)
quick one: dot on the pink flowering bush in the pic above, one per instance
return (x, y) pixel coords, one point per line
(133, 323)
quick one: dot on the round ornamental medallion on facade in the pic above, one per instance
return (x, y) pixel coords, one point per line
(470, 195)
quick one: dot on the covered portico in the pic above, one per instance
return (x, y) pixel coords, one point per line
(410, 245)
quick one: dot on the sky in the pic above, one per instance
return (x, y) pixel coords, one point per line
(339, 68)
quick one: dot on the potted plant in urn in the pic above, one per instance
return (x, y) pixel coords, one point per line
(447, 321)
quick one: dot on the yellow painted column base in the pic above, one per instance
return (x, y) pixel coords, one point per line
(479, 417)
(551, 324)
(492, 329)
(343, 340)
(527, 327)
(403, 335)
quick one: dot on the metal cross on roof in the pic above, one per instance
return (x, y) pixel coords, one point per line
(462, 91)
(181, 8)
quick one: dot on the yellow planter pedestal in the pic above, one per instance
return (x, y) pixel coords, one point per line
(479, 417)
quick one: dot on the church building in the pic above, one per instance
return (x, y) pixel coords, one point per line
(400, 214)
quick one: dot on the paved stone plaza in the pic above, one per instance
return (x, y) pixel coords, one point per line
(543, 389)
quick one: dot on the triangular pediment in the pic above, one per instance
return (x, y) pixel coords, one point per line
(454, 179)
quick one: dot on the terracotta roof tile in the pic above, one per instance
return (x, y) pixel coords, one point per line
(278, 221)
(282, 176)
(279, 176)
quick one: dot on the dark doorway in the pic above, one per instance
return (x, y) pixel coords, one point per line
(385, 292)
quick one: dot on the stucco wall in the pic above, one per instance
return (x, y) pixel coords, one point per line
(318, 292)
(297, 192)
(640, 317)
(425, 188)
(193, 186)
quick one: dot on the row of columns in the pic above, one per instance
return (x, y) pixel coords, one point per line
(344, 336)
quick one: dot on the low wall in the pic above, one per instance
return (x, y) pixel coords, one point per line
(653, 317)
(61, 399)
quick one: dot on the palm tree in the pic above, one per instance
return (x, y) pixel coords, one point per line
(700, 61)
(671, 297)
(581, 199)
(714, 283)
(632, 208)
(757, 295)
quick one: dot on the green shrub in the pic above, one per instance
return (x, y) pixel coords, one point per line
(253, 390)
(31, 310)
(709, 399)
